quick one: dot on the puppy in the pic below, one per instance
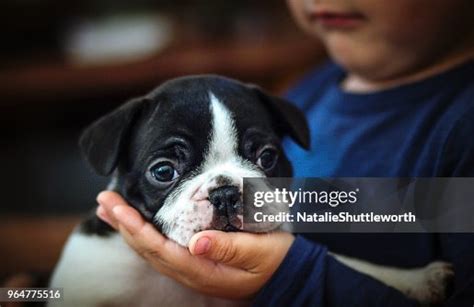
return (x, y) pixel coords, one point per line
(179, 155)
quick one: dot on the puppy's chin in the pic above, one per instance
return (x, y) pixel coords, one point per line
(202, 217)
(195, 217)
(190, 219)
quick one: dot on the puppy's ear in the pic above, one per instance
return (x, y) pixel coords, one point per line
(289, 120)
(101, 142)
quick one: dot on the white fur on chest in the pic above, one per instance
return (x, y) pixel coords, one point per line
(105, 271)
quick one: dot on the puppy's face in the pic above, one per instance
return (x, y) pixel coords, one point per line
(179, 154)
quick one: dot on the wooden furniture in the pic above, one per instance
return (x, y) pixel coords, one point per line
(32, 244)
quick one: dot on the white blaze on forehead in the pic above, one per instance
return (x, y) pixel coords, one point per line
(223, 143)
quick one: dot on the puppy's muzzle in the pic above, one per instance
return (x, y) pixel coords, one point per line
(228, 208)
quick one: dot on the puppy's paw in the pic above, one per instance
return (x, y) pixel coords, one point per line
(433, 282)
(438, 276)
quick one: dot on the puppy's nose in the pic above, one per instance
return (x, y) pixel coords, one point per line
(226, 199)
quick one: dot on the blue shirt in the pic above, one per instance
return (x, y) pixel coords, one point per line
(423, 129)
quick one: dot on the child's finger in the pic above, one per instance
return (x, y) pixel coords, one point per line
(108, 200)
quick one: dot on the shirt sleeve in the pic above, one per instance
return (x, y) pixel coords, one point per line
(308, 276)
(458, 248)
(458, 151)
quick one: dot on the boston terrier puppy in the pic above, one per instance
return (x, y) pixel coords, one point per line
(179, 155)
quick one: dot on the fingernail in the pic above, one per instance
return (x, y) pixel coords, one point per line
(202, 246)
(102, 214)
(99, 197)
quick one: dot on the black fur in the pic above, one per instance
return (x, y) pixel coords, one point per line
(93, 225)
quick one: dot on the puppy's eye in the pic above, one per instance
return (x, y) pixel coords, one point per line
(267, 158)
(164, 171)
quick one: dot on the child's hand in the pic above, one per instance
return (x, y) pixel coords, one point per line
(230, 265)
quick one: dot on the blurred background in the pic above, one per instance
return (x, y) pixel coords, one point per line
(65, 63)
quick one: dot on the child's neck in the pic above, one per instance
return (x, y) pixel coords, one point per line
(355, 83)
